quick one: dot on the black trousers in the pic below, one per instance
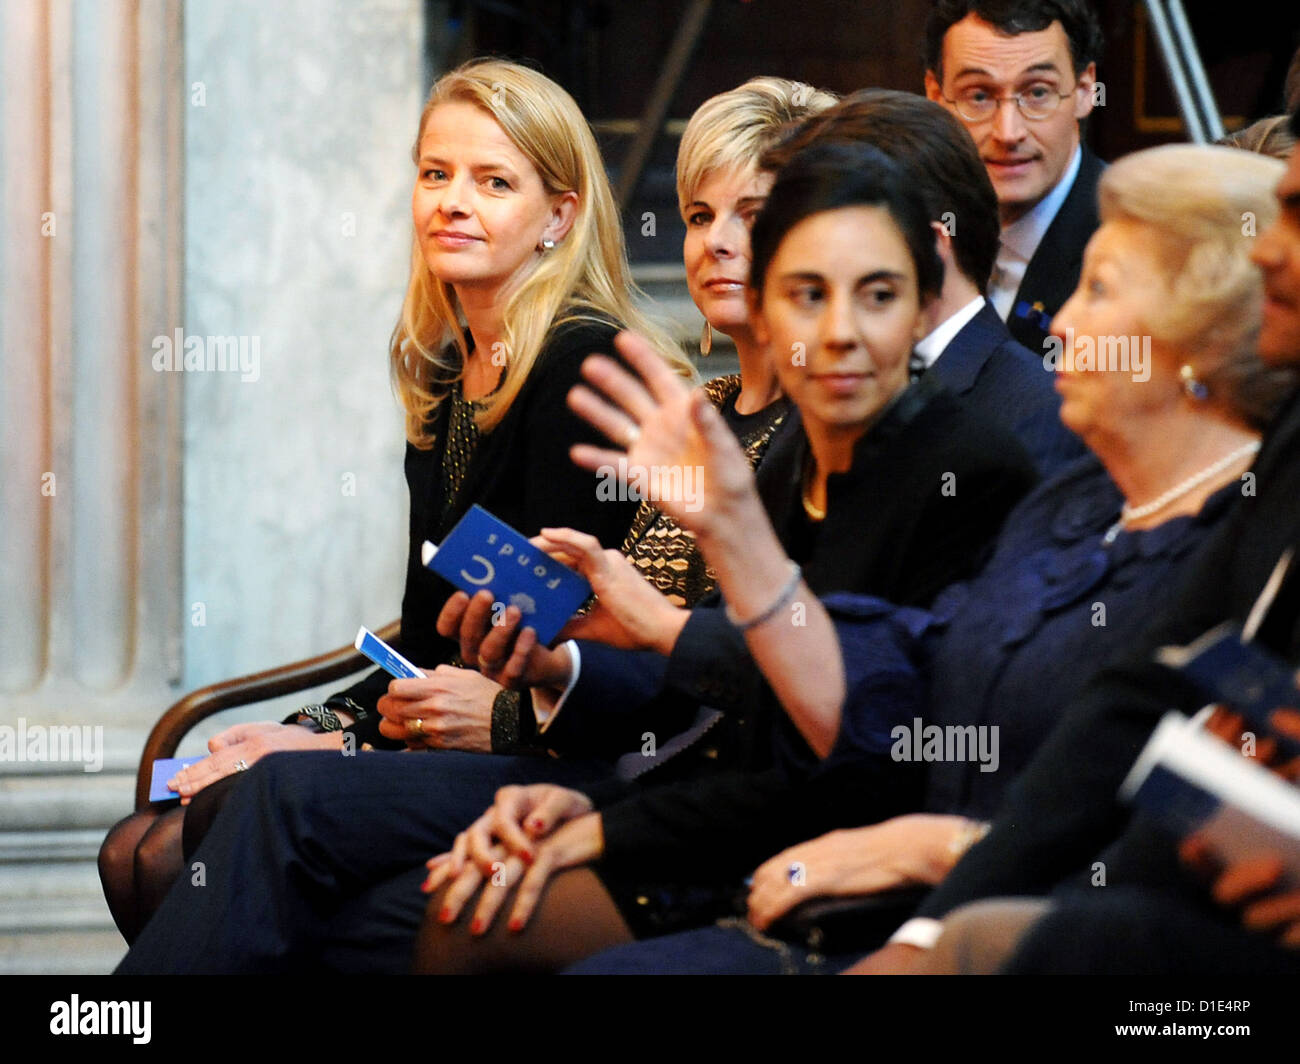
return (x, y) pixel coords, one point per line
(315, 860)
(1130, 931)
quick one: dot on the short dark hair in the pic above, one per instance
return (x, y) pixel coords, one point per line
(935, 152)
(1077, 18)
(1295, 122)
(828, 176)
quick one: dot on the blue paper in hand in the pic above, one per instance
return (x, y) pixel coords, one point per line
(384, 656)
(484, 552)
(164, 768)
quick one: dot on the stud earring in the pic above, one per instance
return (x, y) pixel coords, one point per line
(1193, 388)
(548, 244)
(706, 339)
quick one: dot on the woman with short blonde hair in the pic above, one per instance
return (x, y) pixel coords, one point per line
(720, 191)
(732, 129)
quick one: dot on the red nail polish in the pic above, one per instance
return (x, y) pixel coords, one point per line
(445, 917)
(516, 924)
(526, 856)
(476, 928)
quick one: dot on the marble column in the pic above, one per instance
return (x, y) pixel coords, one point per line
(90, 498)
(237, 173)
(222, 170)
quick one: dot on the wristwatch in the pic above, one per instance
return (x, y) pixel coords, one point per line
(322, 718)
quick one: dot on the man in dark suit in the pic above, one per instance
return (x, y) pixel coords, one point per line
(1021, 75)
(1062, 820)
(968, 348)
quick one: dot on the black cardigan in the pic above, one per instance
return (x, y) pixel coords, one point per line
(522, 473)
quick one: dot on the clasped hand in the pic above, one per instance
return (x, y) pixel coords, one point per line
(527, 835)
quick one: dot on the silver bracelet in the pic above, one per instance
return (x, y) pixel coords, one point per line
(787, 593)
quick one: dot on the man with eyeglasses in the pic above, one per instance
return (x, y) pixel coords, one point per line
(1020, 74)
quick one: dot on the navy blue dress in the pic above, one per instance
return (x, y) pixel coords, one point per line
(1009, 649)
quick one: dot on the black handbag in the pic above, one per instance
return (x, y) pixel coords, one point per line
(860, 923)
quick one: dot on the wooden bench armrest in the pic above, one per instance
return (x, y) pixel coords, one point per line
(198, 705)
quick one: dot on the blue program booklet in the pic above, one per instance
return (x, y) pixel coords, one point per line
(484, 552)
(1243, 675)
(1189, 781)
(164, 768)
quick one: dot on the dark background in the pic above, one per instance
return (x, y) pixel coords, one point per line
(608, 53)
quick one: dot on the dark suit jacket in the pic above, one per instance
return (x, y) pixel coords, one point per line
(1005, 383)
(1062, 812)
(1053, 272)
(521, 472)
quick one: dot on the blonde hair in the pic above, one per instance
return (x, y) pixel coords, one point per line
(586, 276)
(732, 129)
(1204, 204)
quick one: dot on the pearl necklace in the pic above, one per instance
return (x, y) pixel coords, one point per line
(1137, 513)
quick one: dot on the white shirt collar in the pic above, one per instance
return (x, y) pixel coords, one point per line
(934, 343)
(1025, 234)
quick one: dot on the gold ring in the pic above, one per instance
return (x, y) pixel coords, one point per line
(416, 725)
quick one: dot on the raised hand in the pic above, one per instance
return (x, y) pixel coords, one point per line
(676, 447)
(629, 613)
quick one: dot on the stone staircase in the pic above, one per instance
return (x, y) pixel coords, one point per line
(53, 919)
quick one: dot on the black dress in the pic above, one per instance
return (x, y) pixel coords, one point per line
(520, 471)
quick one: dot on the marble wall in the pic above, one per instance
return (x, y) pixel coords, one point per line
(298, 128)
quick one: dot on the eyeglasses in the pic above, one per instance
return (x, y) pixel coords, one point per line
(1036, 103)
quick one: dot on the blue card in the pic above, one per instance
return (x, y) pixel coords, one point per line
(383, 655)
(483, 551)
(164, 768)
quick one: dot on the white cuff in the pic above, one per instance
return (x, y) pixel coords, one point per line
(920, 931)
(545, 702)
